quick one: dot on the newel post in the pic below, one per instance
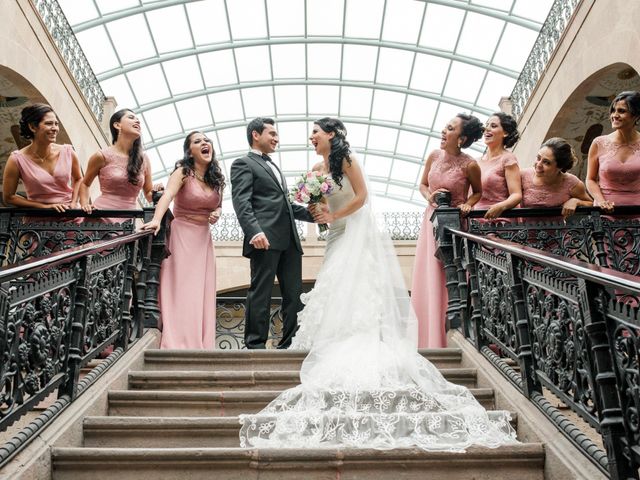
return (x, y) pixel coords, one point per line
(444, 217)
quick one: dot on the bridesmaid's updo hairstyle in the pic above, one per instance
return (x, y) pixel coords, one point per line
(213, 176)
(510, 127)
(135, 153)
(562, 152)
(631, 98)
(472, 129)
(32, 116)
(340, 148)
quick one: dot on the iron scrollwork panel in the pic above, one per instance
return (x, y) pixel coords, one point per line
(35, 239)
(559, 342)
(570, 240)
(622, 244)
(230, 324)
(34, 340)
(105, 306)
(497, 317)
(624, 329)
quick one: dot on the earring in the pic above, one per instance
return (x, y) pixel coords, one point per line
(459, 144)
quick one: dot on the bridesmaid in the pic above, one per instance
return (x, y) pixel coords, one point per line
(548, 184)
(123, 169)
(50, 172)
(501, 188)
(613, 171)
(188, 275)
(446, 170)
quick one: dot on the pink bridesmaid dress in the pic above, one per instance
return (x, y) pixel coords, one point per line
(428, 290)
(619, 180)
(40, 185)
(494, 181)
(188, 275)
(116, 193)
(542, 196)
(43, 187)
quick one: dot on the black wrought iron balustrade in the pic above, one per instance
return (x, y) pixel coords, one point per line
(552, 320)
(607, 240)
(33, 233)
(61, 310)
(399, 225)
(230, 322)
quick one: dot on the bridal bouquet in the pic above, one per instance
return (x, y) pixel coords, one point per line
(310, 188)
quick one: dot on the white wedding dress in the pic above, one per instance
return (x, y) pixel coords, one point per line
(363, 383)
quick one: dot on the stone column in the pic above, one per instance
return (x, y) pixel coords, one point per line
(109, 106)
(506, 105)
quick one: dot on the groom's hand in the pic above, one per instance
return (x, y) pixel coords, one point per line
(260, 242)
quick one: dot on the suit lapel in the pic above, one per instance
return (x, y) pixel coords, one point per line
(260, 161)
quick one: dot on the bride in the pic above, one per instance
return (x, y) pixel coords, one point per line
(363, 383)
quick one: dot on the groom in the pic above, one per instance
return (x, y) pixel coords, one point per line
(260, 199)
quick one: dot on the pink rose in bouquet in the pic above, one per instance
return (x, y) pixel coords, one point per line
(310, 188)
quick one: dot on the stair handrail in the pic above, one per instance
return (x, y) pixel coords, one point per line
(537, 308)
(58, 312)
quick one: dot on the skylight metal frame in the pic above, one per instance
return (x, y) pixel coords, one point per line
(431, 131)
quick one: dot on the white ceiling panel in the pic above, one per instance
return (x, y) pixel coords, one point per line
(395, 71)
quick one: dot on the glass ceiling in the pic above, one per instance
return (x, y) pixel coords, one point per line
(395, 71)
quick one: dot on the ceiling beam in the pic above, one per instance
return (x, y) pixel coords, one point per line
(490, 12)
(261, 42)
(304, 118)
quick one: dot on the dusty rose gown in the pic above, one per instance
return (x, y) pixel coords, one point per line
(542, 196)
(428, 290)
(43, 187)
(40, 185)
(494, 181)
(188, 275)
(619, 180)
(116, 191)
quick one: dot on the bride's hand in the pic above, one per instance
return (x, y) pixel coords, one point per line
(321, 214)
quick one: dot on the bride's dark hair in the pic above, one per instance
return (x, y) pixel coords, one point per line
(340, 148)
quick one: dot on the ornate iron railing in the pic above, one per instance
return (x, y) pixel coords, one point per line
(68, 46)
(27, 233)
(550, 33)
(399, 225)
(227, 229)
(59, 310)
(230, 323)
(569, 325)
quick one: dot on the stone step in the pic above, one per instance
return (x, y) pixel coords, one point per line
(521, 461)
(237, 360)
(167, 432)
(249, 380)
(167, 403)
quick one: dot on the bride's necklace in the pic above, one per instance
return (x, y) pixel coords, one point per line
(198, 176)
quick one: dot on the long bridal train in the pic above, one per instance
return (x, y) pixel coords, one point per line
(363, 384)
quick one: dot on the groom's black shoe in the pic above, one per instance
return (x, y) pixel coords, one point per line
(259, 346)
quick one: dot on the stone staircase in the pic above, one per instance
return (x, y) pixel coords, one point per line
(178, 419)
